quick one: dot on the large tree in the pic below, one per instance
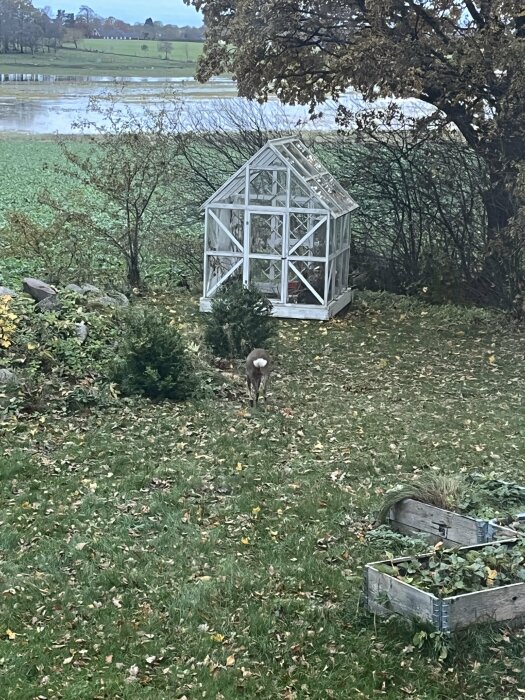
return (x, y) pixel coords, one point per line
(466, 58)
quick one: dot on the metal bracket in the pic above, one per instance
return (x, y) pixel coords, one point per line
(444, 616)
(440, 609)
(483, 531)
(436, 613)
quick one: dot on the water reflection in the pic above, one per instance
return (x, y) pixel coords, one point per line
(46, 104)
(42, 78)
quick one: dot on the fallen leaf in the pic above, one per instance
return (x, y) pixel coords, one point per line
(10, 634)
(230, 661)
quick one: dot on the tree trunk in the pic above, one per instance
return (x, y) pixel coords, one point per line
(501, 273)
(133, 272)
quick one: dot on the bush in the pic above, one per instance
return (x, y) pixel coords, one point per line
(153, 358)
(240, 321)
(47, 342)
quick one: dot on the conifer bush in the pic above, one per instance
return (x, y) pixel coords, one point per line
(153, 359)
(240, 320)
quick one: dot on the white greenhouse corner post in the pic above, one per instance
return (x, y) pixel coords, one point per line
(281, 224)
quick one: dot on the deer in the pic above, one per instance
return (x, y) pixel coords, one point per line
(258, 368)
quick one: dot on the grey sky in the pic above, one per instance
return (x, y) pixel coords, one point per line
(167, 11)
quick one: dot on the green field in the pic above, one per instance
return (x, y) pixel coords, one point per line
(108, 57)
(28, 168)
(207, 550)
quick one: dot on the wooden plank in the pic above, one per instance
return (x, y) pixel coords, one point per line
(501, 532)
(490, 605)
(427, 536)
(438, 523)
(385, 594)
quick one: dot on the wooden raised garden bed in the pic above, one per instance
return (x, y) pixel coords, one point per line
(385, 594)
(412, 517)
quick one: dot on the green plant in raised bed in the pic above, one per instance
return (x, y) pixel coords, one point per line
(490, 497)
(448, 573)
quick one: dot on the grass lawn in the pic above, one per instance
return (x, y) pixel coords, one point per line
(108, 57)
(208, 550)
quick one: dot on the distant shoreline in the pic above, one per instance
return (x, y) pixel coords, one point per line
(109, 57)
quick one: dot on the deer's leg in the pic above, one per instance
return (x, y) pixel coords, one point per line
(249, 385)
(264, 385)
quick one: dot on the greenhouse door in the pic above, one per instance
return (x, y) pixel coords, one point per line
(264, 254)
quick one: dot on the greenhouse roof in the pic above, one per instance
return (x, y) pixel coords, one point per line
(292, 152)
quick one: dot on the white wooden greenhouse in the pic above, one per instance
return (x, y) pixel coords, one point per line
(281, 224)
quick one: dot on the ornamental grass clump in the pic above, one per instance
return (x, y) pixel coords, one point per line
(440, 490)
(153, 359)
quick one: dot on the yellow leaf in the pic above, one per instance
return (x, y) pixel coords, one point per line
(256, 510)
(10, 634)
(245, 540)
(239, 467)
(230, 661)
(491, 575)
(491, 359)
(217, 637)
(32, 346)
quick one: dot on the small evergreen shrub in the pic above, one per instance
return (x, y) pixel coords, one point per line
(240, 320)
(153, 358)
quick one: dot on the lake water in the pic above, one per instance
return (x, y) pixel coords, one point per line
(45, 104)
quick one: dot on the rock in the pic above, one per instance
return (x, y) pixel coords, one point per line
(6, 292)
(49, 304)
(37, 289)
(122, 299)
(74, 288)
(81, 331)
(104, 301)
(7, 376)
(90, 289)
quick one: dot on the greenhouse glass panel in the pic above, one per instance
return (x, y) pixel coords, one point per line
(220, 268)
(225, 229)
(301, 197)
(268, 188)
(234, 192)
(307, 234)
(266, 275)
(266, 233)
(305, 282)
(339, 282)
